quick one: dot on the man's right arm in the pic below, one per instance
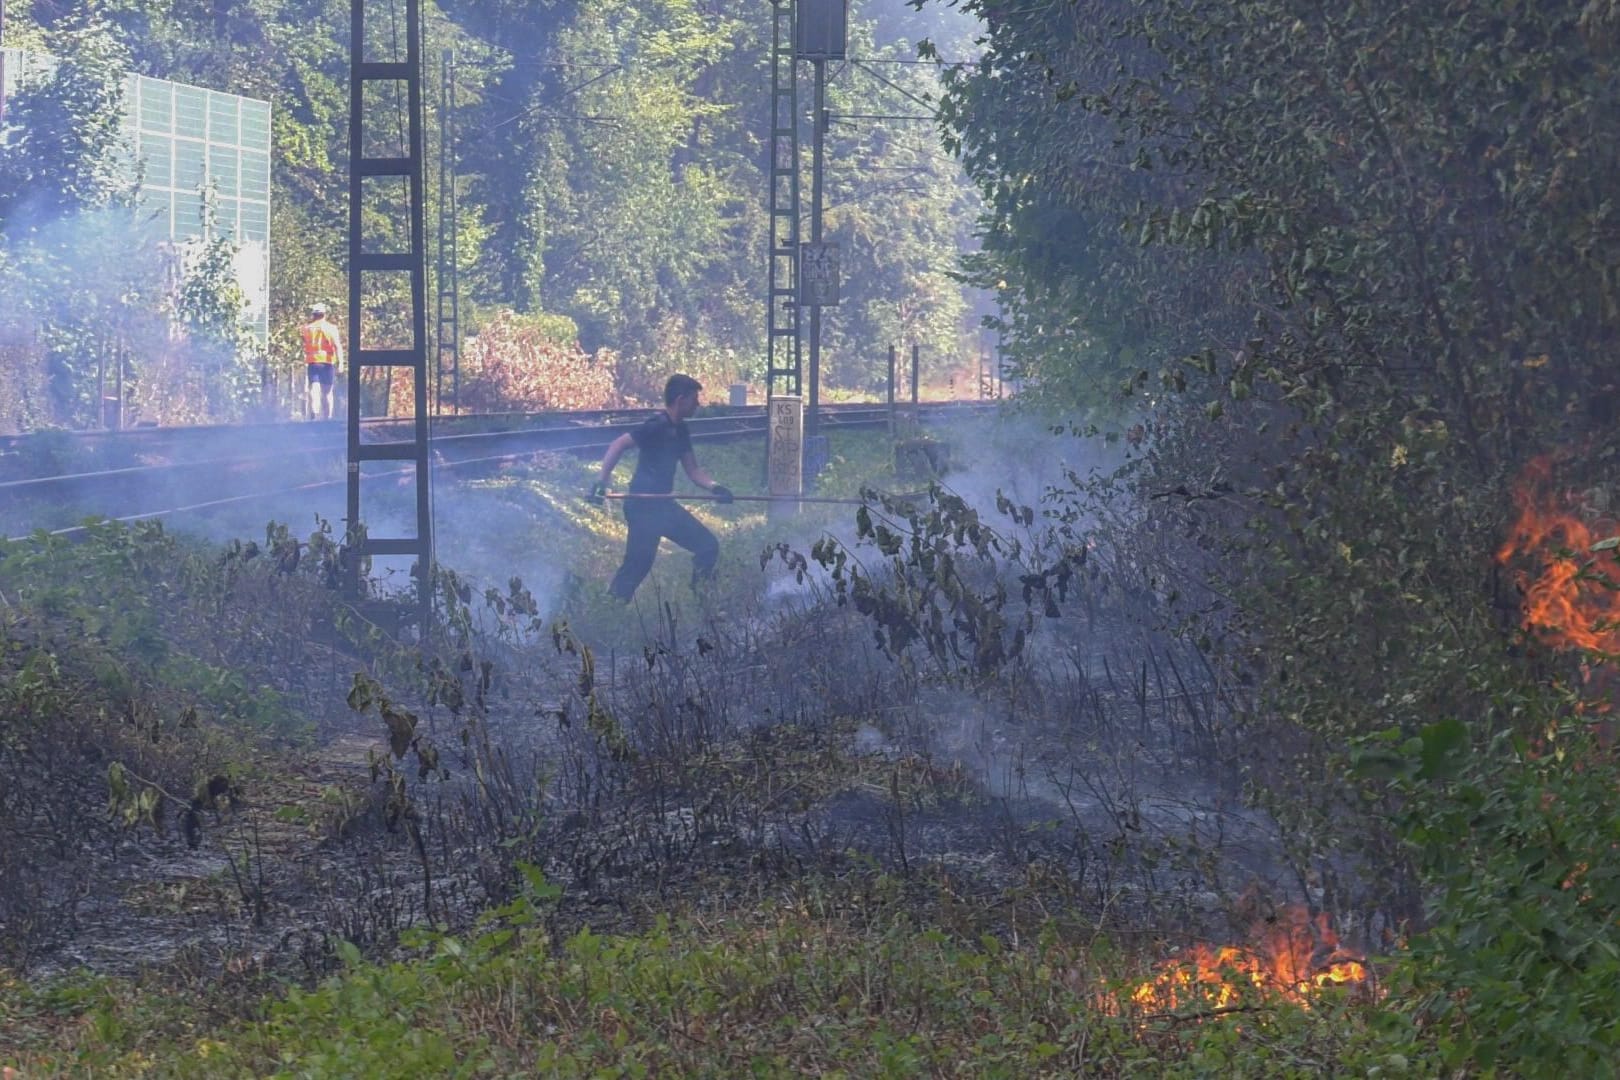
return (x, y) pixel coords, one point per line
(615, 451)
(610, 460)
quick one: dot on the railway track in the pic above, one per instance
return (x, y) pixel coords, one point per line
(156, 488)
(32, 456)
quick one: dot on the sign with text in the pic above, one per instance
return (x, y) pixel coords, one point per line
(785, 449)
(818, 274)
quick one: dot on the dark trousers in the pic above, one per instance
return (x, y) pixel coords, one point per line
(650, 521)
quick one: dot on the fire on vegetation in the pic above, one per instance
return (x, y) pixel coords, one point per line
(1567, 602)
(1292, 956)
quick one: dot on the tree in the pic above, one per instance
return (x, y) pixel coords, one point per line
(1363, 257)
(83, 269)
(66, 217)
(208, 306)
(611, 171)
(62, 133)
(902, 215)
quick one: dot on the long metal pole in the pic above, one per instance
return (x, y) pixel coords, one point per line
(419, 380)
(359, 543)
(352, 526)
(437, 280)
(812, 416)
(455, 237)
(654, 496)
(2, 60)
(448, 312)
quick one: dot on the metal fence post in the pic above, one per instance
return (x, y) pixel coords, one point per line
(892, 359)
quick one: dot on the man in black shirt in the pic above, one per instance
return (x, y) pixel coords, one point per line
(661, 443)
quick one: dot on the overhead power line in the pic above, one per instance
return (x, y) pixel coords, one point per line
(535, 109)
(924, 102)
(928, 63)
(877, 116)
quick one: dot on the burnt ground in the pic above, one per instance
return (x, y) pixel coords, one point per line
(770, 754)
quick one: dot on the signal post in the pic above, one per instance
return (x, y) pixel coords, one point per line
(803, 274)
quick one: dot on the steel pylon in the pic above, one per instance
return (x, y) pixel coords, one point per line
(395, 73)
(783, 364)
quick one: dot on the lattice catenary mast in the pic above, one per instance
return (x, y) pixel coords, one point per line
(396, 74)
(447, 336)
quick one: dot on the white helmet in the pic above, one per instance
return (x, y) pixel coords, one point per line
(318, 310)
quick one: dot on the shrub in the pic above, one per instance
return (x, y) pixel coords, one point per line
(519, 363)
(1516, 842)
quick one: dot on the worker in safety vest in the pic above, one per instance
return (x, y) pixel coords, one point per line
(323, 352)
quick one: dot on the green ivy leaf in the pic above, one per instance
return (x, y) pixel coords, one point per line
(1440, 742)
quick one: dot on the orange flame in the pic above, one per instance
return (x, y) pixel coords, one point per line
(1565, 608)
(1294, 956)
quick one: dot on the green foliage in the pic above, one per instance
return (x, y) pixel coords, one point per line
(609, 178)
(63, 132)
(900, 214)
(1340, 262)
(1517, 838)
(776, 993)
(74, 273)
(627, 195)
(209, 304)
(132, 690)
(125, 594)
(933, 577)
(83, 274)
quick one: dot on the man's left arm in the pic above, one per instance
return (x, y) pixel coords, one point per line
(700, 476)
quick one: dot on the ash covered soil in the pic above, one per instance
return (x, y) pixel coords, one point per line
(691, 752)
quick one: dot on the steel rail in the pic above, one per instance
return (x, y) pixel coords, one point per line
(514, 420)
(536, 439)
(316, 485)
(540, 436)
(448, 452)
(136, 472)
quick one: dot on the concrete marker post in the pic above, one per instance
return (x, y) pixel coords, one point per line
(785, 453)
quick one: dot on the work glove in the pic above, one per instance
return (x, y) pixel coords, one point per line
(598, 495)
(721, 493)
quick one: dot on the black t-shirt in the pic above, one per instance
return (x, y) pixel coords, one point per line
(661, 443)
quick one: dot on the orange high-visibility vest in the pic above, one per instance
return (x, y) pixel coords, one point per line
(321, 345)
